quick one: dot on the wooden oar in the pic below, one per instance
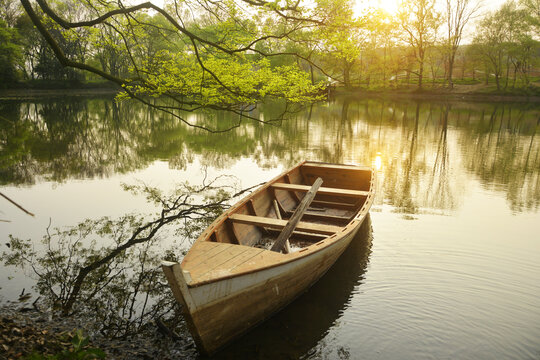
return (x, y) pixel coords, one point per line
(287, 248)
(296, 216)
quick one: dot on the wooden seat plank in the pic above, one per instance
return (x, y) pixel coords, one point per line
(332, 204)
(292, 223)
(322, 216)
(321, 191)
(280, 224)
(336, 166)
(302, 235)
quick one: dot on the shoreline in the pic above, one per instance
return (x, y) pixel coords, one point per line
(438, 95)
(25, 330)
(473, 97)
(459, 93)
(24, 94)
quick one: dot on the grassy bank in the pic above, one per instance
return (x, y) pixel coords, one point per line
(60, 84)
(464, 89)
(467, 89)
(57, 88)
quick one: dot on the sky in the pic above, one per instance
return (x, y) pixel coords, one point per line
(390, 6)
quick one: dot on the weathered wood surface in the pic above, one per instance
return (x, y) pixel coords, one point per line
(233, 287)
(280, 224)
(317, 215)
(331, 167)
(223, 260)
(334, 204)
(322, 190)
(296, 216)
(259, 295)
(287, 248)
(337, 176)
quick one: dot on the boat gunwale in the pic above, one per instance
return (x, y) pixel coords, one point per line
(356, 221)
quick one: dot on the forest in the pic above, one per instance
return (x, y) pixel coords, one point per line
(286, 49)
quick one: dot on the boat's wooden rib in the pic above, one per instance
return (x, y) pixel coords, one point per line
(322, 190)
(228, 285)
(334, 204)
(311, 215)
(293, 193)
(280, 224)
(300, 235)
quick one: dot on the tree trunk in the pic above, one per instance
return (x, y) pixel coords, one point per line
(451, 59)
(507, 73)
(347, 74)
(420, 75)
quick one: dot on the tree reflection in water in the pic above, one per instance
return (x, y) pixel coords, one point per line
(108, 270)
(428, 152)
(425, 146)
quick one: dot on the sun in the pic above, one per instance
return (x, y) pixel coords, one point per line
(388, 6)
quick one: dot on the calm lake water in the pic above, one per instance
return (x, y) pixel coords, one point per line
(447, 267)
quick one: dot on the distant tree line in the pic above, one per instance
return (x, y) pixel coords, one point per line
(425, 43)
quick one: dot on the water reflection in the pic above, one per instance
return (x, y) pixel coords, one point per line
(297, 329)
(426, 152)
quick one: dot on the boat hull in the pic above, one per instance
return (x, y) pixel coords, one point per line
(226, 309)
(227, 283)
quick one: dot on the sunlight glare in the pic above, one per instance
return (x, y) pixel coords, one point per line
(377, 163)
(388, 6)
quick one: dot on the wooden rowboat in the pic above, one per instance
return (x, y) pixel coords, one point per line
(231, 280)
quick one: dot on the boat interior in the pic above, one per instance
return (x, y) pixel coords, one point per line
(259, 221)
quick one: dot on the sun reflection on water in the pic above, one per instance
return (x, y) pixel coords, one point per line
(377, 163)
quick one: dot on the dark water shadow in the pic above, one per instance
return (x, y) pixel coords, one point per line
(295, 330)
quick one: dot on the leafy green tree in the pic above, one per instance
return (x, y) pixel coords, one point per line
(196, 54)
(503, 40)
(342, 39)
(419, 21)
(10, 54)
(532, 8)
(10, 11)
(383, 32)
(457, 15)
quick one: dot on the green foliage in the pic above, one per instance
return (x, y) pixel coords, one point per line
(10, 54)
(102, 268)
(504, 41)
(79, 351)
(222, 81)
(466, 81)
(228, 55)
(420, 23)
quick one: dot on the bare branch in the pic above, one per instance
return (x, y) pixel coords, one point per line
(14, 203)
